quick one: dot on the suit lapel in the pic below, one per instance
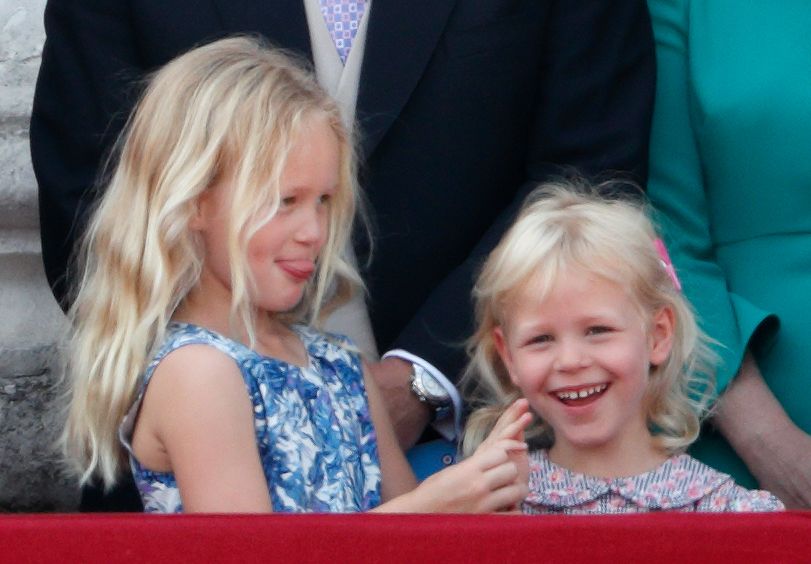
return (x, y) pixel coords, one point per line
(283, 22)
(401, 37)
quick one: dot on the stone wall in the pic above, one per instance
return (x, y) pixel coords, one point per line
(31, 323)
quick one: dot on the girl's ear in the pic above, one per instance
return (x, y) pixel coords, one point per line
(503, 350)
(663, 328)
(196, 223)
(201, 211)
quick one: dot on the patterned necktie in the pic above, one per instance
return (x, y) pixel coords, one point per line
(343, 18)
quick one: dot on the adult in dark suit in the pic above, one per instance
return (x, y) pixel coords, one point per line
(462, 107)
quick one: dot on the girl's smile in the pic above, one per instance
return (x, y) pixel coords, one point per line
(578, 396)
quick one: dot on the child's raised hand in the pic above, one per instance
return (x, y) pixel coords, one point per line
(486, 482)
(511, 425)
(494, 478)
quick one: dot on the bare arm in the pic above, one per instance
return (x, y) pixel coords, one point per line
(776, 451)
(397, 475)
(198, 417)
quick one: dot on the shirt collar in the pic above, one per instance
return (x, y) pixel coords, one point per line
(679, 481)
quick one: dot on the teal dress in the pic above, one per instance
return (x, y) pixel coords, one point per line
(731, 178)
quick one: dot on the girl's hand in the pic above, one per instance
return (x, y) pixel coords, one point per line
(490, 480)
(494, 478)
(511, 425)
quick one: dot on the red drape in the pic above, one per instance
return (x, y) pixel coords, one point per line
(657, 538)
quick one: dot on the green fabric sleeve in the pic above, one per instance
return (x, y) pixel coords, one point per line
(677, 192)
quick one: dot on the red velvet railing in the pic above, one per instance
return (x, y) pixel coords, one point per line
(657, 538)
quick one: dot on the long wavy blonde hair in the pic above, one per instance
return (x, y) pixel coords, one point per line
(569, 227)
(234, 107)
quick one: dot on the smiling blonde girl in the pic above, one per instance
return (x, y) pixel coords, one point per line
(580, 312)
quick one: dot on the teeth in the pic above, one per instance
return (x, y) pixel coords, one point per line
(584, 393)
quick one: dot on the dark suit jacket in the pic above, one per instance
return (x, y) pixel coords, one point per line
(463, 106)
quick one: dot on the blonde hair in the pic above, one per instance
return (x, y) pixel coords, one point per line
(233, 108)
(569, 227)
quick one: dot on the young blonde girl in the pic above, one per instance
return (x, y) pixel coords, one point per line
(579, 310)
(215, 249)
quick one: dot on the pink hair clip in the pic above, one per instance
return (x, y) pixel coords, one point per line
(666, 263)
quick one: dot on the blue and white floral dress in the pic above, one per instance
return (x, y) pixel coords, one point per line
(314, 431)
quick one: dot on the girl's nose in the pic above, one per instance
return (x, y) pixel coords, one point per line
(312, 226)
(571, 356)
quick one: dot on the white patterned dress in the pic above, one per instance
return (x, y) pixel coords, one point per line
(681, 483)
(314, 432)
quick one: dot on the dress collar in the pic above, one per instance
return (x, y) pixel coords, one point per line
(679, 481)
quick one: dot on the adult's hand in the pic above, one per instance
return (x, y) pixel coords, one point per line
(409, 416)
(776, 451)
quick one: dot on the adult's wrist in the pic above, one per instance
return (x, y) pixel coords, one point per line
(429, 392)
(408, 415)
(448, 420)
(751, 437)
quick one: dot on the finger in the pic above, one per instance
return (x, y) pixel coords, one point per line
(504, 475)
(514, 510)
(500, 476)
(510, 415)
(487, 456)
(515, 430)
(497, 453)
(506, 498)
(513, 453)
(521, 460)
(510, 445)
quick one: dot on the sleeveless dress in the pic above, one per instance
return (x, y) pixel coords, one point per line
(314, 432)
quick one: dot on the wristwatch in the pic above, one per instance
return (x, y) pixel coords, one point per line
(429, 391)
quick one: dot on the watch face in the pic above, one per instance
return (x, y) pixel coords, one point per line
(433, 388)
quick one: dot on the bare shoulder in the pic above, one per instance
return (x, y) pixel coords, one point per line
(192, 388)
(193, 378)
(199, 423)
(195, 363)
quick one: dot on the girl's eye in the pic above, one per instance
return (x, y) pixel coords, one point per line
(540, 340)
(598, 330)
(288, 201)
(325, 198)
